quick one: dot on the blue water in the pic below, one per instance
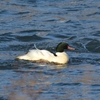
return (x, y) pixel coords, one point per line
(45, 23)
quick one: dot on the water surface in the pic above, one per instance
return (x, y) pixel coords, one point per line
(24, 23)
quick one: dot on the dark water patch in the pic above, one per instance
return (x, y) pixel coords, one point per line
(53, 71)
(72, 9)
(51, 20)
(87, 45)
(93, 46)
(3, 11)
(29, 38)
(25, 46)
(79, 47)
(97, 33)
(54, 36)
(95, 90)
(7, 12)
(94, 14)
(14, 47)
(85, 60)
(49, 73)
(75, 61)
(6, 37)
(96, 85)
(21, 13)
(6, 34)
(72, 37)
(97, 49)
(3, 98)
(7, 64)
(67, 84)
(34, 30)
(19, 47)
(28, 1)
(21, 66)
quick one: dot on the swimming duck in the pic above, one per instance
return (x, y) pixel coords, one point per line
(37, 55)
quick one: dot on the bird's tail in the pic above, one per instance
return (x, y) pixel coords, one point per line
(23, 57)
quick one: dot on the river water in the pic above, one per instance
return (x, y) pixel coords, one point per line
(45, 23)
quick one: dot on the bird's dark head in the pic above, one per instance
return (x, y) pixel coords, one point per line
(62, 46)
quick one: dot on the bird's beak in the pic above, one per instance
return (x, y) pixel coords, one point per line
(70, 48)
